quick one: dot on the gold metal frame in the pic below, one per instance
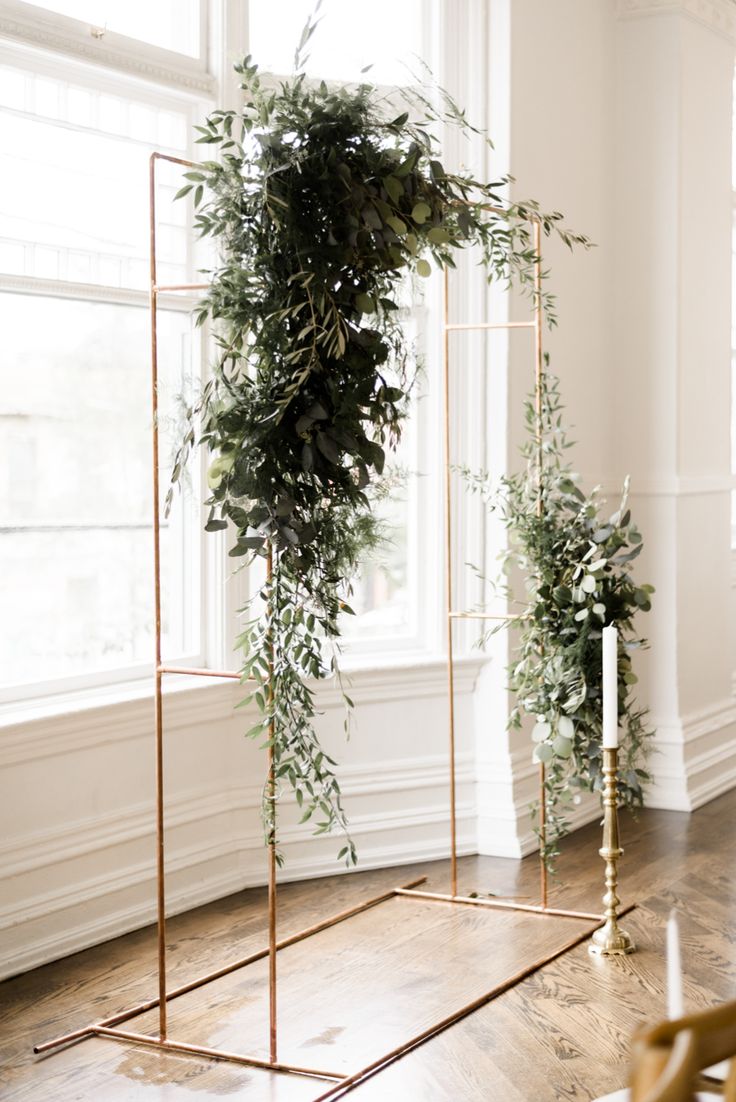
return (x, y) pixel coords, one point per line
(109, 1027)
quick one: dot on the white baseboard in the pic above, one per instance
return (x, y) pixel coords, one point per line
(402, 818)
(694, 758)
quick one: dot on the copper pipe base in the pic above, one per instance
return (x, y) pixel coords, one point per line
(532, 908)
(343, 1083)
(215, 1054)
(347, 1084)
(88, 1031)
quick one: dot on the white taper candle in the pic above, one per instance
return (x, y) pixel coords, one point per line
(674, 968)
(610, 687)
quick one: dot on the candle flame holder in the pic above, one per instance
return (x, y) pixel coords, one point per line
(611, 940)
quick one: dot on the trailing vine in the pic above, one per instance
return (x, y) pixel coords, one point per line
(577, 569)
(321, 205)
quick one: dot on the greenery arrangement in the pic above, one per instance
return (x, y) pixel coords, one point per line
(321, 203)
(577, 568)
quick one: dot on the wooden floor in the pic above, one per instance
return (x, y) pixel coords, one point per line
(360, 988)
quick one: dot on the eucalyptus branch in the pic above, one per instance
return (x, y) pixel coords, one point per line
(577, 568)
(321, 210)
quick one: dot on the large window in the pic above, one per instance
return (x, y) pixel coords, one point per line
(386, 39)
(75, 482)
(75, 452)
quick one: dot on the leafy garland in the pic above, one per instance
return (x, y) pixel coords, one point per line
(577, 569)
(321, 206)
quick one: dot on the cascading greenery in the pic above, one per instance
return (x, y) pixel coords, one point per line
(321, 204)
(577, 573)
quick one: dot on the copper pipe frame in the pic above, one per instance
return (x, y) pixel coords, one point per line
(159, 671)
(106, 1027)
(169, 1045)
(395, 1054)
(535, 324)
(271, 797)
(538, 381)
(502, 904)
(260, 954)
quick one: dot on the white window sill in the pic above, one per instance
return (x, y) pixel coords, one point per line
(63, 724)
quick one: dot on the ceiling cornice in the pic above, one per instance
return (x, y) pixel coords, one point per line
(717, 15)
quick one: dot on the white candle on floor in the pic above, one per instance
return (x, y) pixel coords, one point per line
(674, 968)
(610, 688)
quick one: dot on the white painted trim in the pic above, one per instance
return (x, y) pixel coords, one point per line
(686, 773)
(419, 832)
(93, 292)
(716, 15)
(73, 38)
(26, 735)
(509, 827)
(685, 486)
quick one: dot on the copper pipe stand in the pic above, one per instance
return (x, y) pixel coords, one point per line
(108, 1027)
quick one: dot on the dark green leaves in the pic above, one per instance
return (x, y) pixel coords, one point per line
(319, 209)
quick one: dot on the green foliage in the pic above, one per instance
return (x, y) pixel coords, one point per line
(321, 206)
(578, 577)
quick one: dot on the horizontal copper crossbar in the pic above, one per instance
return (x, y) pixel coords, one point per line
(151, 1004)
(452, 327)
(383, 1062)
(505, 905)
(214, 1053)
(163, 288)
(200, 672)
(485, 615)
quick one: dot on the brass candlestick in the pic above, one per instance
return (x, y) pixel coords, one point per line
(611, 940)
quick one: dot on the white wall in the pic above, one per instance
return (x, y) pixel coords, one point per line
(619, 115)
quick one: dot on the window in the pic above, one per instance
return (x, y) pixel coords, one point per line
(170, 24)
(387, 594)
(385, 35)
(75, 493)
(75, 481)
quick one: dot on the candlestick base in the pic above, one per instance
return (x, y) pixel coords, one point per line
(611, 941)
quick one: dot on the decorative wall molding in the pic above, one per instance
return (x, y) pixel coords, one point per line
(716, 15)
(684, 486)
(694, 758)
(25, 737)
(401, 817)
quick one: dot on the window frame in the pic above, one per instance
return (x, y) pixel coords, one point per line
(74, 38)
(208, 551)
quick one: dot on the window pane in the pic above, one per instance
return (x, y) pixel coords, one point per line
(384, 34)
(381, 596)
(384, 592)
(76, 591)
(74, 164)
(171, 24)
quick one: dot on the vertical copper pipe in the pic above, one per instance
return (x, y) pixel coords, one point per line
(448, 578)
(271, 790)
(160, 864)
(538, 370)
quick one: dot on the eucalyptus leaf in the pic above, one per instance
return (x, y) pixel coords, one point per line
(565, 554)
